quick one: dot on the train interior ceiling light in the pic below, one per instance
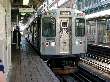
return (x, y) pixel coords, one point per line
(25, 2)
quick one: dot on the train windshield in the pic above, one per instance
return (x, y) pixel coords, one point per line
(79, 27)
(48, 27)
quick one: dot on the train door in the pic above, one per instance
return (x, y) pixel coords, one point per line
(79, 40)
(48, 36)
(64, 36)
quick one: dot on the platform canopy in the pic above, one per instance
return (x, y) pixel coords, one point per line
(26, 3)
(23, 8)
(104, 13)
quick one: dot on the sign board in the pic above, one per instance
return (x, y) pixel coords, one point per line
(26, 10)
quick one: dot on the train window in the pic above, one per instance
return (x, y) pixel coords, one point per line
(48, 27)
(79, 27)
(64, 24)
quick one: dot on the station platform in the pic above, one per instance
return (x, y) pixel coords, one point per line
(27, 66)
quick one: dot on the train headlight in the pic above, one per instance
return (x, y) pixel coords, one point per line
(77, 42)
(81, 42)
(52, 43)
(47, 44)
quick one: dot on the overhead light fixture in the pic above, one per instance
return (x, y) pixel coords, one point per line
(25, 2)
(23, 13)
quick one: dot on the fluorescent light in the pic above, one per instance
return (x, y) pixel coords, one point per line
(25, 2)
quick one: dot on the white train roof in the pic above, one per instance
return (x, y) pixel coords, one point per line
(98, 14)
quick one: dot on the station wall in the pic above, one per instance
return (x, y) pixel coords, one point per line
(5, 34)
(98, 31)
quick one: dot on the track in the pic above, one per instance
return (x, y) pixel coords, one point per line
(80, 78)
(97, 57)
(74, 77)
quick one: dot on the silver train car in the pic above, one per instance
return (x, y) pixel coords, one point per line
(63, 33)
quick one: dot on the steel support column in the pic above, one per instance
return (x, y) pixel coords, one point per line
(96, 35)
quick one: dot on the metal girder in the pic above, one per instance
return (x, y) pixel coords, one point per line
(34, 3)
(16, 4)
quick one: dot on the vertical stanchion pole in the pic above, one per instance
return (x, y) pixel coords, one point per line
(96, 35)
(106, 32)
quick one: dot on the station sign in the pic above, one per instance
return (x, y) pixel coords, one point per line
(65, 13)
(26, 10)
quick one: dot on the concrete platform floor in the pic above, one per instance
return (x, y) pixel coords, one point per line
(28, 67)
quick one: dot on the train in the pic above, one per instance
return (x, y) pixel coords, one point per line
(59, 36)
